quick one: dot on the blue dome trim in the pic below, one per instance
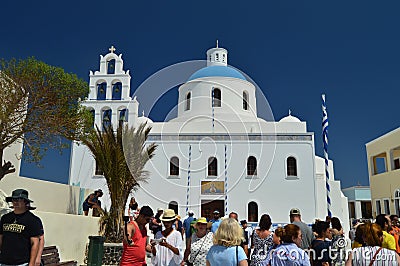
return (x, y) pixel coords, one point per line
(217, 71)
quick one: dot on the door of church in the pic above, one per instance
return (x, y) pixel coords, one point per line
(208, 207)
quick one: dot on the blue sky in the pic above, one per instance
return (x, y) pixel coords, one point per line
(294, 50)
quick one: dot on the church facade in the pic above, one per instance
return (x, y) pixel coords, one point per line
(217, 153)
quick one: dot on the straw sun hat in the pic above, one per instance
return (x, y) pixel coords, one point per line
(168, 215)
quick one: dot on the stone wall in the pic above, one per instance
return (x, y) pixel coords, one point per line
(112, 253)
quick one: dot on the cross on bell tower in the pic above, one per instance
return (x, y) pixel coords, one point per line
(112, 49)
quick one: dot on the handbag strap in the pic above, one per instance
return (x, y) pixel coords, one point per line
(237, 257)
(374, 257)
(202, 243)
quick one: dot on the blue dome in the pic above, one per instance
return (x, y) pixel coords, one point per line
(217, 71)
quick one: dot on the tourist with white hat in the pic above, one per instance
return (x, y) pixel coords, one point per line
(167, 245)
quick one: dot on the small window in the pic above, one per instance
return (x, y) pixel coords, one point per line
(378, 207)
(252, 212)
(217, 56)
(291, 165)
(123, 117)
(216, 97)
(106, 119)
(386, 206)
(396, 163)
(117, 91)
(251, 166)
(174, 166)
(187, 104)
(98, 170)
(245, 101)
(93, 115)
(101, 91)
(111, 66)
(212, 166)
(223, 58)
(379, 163)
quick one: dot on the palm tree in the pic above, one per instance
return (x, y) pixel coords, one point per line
(121, 155)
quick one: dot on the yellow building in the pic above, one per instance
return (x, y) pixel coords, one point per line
(383, 156)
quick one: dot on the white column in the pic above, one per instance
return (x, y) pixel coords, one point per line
(357, 207)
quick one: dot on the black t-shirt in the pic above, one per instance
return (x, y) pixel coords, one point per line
(17, 229)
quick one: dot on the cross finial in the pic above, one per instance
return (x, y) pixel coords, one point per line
(290, 112)
(217, 43)
(112, 49)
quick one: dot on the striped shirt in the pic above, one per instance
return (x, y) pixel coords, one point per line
(363, 256)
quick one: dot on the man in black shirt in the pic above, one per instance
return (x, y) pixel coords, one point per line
(19, 232)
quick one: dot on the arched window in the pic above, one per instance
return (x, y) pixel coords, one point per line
(174, 166)
(106, 118)
(174, 206)
(212, 166)
(291, 165)
(187, 103)
(123, 117)
(111, 66)
(252, 212)
(101, 91)
(245, 101)
(216, 97)
(92, 113)
(117, 91)
(98, 170)
(251, 166)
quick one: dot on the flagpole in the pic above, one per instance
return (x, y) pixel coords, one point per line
(325, 141)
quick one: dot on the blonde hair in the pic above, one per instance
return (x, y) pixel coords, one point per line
(229, 233)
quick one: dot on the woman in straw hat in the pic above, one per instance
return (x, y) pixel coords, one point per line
(198, 245)
(167, 246)
(227, 250)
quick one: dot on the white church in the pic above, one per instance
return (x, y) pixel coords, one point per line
(217, 153)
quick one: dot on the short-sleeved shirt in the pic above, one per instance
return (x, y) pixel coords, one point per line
(17, 230)
(287, 254)
(165, 256)
(215, 225)
(221, 255)
(186, 225)
(364, 255)
(199, 248)
(307, 235)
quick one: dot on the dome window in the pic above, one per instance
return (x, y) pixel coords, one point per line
(217, 57)
(187, 102)
(111, 66)
(245, 101)
(216, 97)
(223, 58)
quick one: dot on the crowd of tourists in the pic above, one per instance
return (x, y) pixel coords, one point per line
(228, 241)
(216, 241)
